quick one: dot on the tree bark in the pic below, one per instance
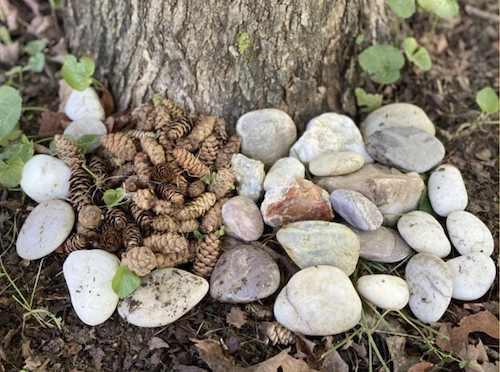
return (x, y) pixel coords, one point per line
(226, 58)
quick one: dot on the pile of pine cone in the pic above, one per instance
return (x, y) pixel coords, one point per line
(176, 173)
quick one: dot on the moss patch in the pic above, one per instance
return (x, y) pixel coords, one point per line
(243, 42)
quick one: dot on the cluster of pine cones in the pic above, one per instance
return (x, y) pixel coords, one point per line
(176, 173)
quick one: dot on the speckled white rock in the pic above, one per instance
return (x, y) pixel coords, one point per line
(310, 243)
(163, 297)
(45, 178)
(282, 171)
(356, 209)
(83, 105)
(388, 292)
(318, 301)
(88, 275)
(430, 282)
(447, 192)
(329, 132)
(82, 127)
(469, 234)
(266, 134)
(396, 115)
(45, 229)
(424, 233)
(243, 217)
(336, 163)
(249, 176)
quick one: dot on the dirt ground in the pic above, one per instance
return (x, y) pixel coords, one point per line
(465, 52)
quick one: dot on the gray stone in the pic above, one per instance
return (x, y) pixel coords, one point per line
(282, 171)
(266, 134)
(244, 274)
(336, 163)
(384, 291)
(318, 301)
(447, 192)
(406, 148)
(356, 209)
(310, 243)
(89, 126)
(392, 192)
(243, 218)
(249, 176)
(469, 234)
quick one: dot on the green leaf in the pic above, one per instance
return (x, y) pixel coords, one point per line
(56, 4)
(197, 234)
(125, 282)
(425, 204)
(35, 46)
(158, 99)
(14, 71)
(367, 101)
(209, 178)
(85, 141)
(5, 36)
(403, 8)
(113, 197)
(487, 99)
(12, 136)
(11, 172)
(22, 149)
(10, 109)
(419, 56)
(78, 75)
(442, 8)
(36, 63)
(382, 62)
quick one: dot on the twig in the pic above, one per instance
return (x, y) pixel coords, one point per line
(473, 11)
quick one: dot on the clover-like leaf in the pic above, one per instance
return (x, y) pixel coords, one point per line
(78, 74)
(442, 8)
(158, 99)
(10, 109)
(125, 282)
(113, 197)
(403, 8)
(36, 63)
(487, 99)
(35, 46)
(382, 62)
(367, 101)
(418, 55)
(22, 149)
(11, 172)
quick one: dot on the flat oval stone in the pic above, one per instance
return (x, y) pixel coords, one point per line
(266, 134)
(473, 275)
(396, 115)
(336, 163)
(244, 274)
(424, 233)
(382, 245)
(45, 178)
(405, 148)
(243, 217)
(318, 301)
(282, 171)
(89, 126)
(469, 234)
(388, 292)
(447, 192)
(45, 229)
(310, 243)
(249, 176)
(83, 105)
(430, 282)
(88, 275)
(357, 210)
(164, 296)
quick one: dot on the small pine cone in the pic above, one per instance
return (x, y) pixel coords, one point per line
(144, 198)
(91, 235)
(223, 182)
(80, 183)
(181, 182)
(143, 167)
(132, 184)
(227, 151)
(187, 226)
(139, 134)
(193, 247)
(74, 243)
(180, 128)
(220, 130)
(140, 113)
(277, 334)
(116, 217)
(141, 217)
(131, 235)
(174, 111)
(172, 259)
(162, 173)
(197, 207)
(141, 260)
(206, 257)
(90, 216)
(153, 149)
(259, 312)
(164, 207)
(199, 133)
(209, 149)
(99, 167)
(165, 142)
(111, 240)
(68, 152)
(162, 119)
(212, 221)
(170, 193)
(196, 188)
(167, 243)
(164, 223)
(120, 145)
(188, 161)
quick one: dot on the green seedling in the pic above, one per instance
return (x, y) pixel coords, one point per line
(367, 101)
(158, 99)
(441, 8)
(125, 282)
(209, 178)
(418, 55)
(114, 197)
(79, 74)
(36, 61)
(487, 100)
(403, 8)
(5, 36)
(382, 62)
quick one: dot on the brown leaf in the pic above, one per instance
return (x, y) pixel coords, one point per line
(10, 13)
(97, 354)
(305, 348)
(475, 353)
(107, 102)
(334, 363)
(52, 123)
(44, 27)
(283, 360)
(34, 6)
(157, 343)
(236, 317)
(9, 54)
(402, 360)
(183, 368)
(420, 367)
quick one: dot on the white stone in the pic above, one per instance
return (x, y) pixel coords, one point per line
(318, 301)
(447, 192)
(243, 218)
(82, 127)
(396, 115)
(45, 178)
(424, 233)
(163, 297)
(83, 105)
(473, 275)
(336, 163)
(45, 229)
(388, 292)
(469, 234)
(88, 275)
(430, 282)
(329, 132)
(282, 171)
(249, 176)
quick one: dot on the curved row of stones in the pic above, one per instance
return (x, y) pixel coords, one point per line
(370, 197)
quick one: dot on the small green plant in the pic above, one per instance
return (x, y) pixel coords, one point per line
(367, 101)
(441, 8)
(158, 99)
(418, 55)
(79, 74)
(487, 100)
(382, 62)
(114, 197)
(403, 8)
(125, 282)
(36, 60)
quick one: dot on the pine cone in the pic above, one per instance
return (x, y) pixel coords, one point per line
(259, 312)
(132, 184)
(223, 182)
(209, 149)
(80, 183)
(187, 226)
(180, 127)
(90, 216)
(153, 149)
(199, 133)
(131, 235)
(188, 161)
(164, 207)
(162, 118)
(120, 145)
(196, 188)
(141, 260)
(74, 243)
(181, 183)
(140, 114)
(99, 167)
(212, 221)
(142, 217)
(277, 334)
(167, 243)
(197, 207)
(111, 240)
(116, 217)
(227, 151)
(172, 259)
(165, 142)
(144, 198)
(170, 193)
(174, 111)
(143, 167)
(139, 134)
(167, 224)
(220, 130)
(68, 152)
(162, 173)
(207, 255)
(91, 235)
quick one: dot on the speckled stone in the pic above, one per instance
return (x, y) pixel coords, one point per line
(336, 163)
(469, 234)
(249, 176)
(282, 171)
(243, 218)
(447, 192)
(357, 210)
(388, 292)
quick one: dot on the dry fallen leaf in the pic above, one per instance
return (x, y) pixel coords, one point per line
(9, 54)
(10, 13)
(236, 317)
(401, 359)
(52, 123)
(107, 102)
(157, 343)
(420, 367)
(305, 348)
(334, 363)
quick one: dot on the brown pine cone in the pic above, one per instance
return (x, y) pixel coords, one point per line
(140, 260)
(166, 243)
(68, 152)
(197, 207)
(174, 111)
(74, 243)
(259, 312)
(142, 217)
(196, 188)
(120, 145)
(162, 118)
(172, 259)
(111, 240)
(209, 149)
(143, 167)
(199, 133)
(227, 151)
(140, 114)
(167, 224)
(99, 167)
(164, 207)
(144, 198)
(90, 216)
(165, 142)
(212, 221)
(116, 217)
(139, 134)
(171, 193)
(162, 173)
(181, 182)
(153, 149)
(223, 182)
(80, 184)
(188, 161)
(207, 255)
(187, 226)
(180, 127)
(132, 184)
(91, 235)
(276, 334)
(131, 235)
(220, 130)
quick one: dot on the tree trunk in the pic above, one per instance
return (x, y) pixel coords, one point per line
(228, 57)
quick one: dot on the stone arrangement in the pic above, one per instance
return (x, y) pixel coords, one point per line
(362, 202)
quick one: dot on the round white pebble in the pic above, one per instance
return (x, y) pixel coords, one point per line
(447, 192)
(469, 234)
(84, 105)
(388, 292)
(89, 126)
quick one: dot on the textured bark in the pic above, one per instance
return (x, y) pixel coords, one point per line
(228, 57)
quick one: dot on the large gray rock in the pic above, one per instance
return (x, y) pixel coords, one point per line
(282, 171)
(249, 176)
(356, 209)
(469, 234)
(243, 218)
(406, 148)
(244, 274)
(336, 163)
(392, 192)
(267, 135)
(447, 192)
